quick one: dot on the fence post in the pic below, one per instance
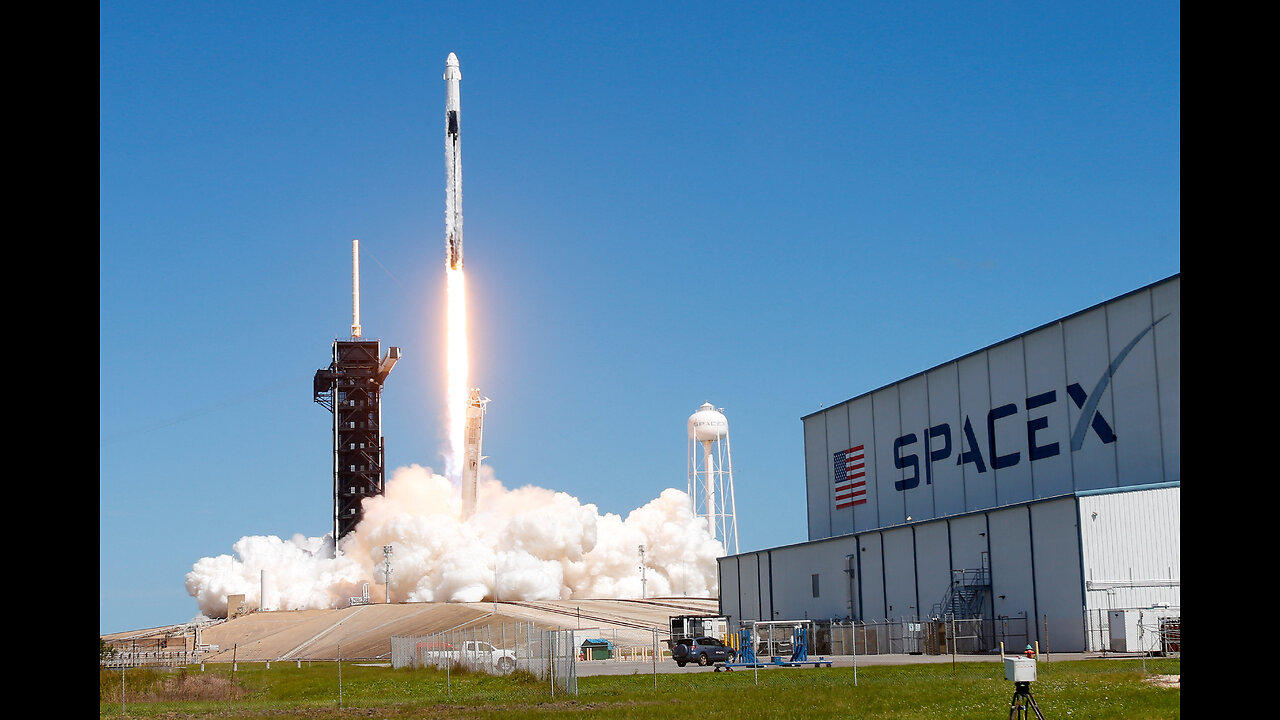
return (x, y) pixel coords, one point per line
(1046, 638)
(855, 653)
(339, 674)
(1103, 638)
(655, 658)
(1142, 641)
(953, 645)
(755, 667)
(1088, 636)
(122, 688)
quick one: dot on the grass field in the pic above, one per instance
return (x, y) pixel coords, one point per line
(1083, 689)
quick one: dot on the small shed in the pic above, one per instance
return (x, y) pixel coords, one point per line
(596, 649)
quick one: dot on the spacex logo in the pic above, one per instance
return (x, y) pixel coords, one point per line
(940, 443)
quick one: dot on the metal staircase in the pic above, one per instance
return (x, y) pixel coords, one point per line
(967, 595)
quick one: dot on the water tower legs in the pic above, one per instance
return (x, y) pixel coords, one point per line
(709, 463)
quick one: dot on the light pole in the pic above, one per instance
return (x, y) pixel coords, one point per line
(644, 583)
(387, 551)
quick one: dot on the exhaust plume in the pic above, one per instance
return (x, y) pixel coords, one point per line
(529, 543)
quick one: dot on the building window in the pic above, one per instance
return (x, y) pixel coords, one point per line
(815, 585)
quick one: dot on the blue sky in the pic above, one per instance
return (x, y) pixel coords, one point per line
(765, 205)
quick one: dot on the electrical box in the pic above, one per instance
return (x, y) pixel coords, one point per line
(1139, 630)
(1124, 631)
(1020, 669)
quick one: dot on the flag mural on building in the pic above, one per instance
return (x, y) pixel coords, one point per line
(850, 478)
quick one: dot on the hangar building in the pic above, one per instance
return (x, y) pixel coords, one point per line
(1042, 471)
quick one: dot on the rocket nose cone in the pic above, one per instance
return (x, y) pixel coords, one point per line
(452, 61)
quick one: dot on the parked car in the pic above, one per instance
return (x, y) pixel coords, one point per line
(472, 653)
(702, 650)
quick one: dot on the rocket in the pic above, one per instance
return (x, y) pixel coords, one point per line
(453, 164)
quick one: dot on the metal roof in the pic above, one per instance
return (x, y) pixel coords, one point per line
(1127, 488)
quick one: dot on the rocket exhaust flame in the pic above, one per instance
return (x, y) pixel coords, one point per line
(457, 368)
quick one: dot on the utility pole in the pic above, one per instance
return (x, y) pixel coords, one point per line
(644, 583)
(387, 551)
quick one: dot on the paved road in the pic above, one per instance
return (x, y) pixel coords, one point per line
(610, 667)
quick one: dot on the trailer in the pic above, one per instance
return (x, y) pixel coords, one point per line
(693, 626)
(747, 640)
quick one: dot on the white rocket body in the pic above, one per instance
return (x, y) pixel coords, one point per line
(453, 163)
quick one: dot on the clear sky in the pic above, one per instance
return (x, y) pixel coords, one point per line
(770, 206)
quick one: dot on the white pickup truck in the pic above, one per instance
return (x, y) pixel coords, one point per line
(472, 652)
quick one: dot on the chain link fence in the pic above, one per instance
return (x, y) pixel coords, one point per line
(902, 636)
(549, 655)
(150, 658)
(1146, 630)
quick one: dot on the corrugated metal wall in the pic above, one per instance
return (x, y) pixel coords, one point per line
(1131, 537)
(978, 417)
(902, 572)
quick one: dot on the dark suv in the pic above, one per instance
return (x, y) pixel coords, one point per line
(703, 650)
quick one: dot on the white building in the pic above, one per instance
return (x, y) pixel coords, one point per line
(1047, 465)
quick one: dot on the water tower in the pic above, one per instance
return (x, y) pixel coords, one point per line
(711, 475)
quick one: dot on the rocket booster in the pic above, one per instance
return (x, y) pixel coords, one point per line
(471, 464)
(453, 164)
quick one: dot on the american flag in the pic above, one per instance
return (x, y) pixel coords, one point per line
(851, 478)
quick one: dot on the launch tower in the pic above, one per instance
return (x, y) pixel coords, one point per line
(351, 389)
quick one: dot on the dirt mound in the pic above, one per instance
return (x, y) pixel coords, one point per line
(1165, 681)
(197, 686)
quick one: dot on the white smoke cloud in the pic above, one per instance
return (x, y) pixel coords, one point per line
(535, 544)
